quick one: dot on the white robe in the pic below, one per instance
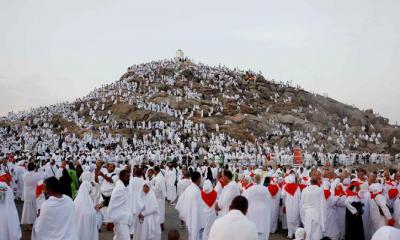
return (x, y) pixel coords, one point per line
(341, 215)
(292, 204)
(120, 211)
(49, 171)
(275, 202)
(396, 212)
(120, 206)
(209, 217)
(331, 225)
(313, 212)
(229, 192)
(9, 221)
(149, 229)
(366, 216)
(135, 185)
(29, 211)
(377, 219)
(233, 226)
(56, 219)
(160, 192)
(182, 185)
(387, 233)
(259, 211)
(190, 208)
(218, 188)
(20, 184)
(86, 216)
(170, 178)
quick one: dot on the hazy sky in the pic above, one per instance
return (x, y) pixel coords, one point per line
(51, 51)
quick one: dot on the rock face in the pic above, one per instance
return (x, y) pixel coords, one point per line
(246, 106)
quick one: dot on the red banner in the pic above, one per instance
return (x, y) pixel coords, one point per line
(297, 157)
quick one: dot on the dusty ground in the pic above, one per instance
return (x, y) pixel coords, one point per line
(171, 218)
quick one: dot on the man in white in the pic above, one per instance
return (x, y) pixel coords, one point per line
(229, 192)
(234, 225)
(29, 211)
(107, 183)
(380, 214)
(291, 196)
(209, 197)
(9, 221)
(20, 177)
(57, 215)
(120, 210)
(259, 211)
(13, 170)
(170, 180)
(60, 170)
(135, 186)
(275, 193)
(182, 185)
(313, 210)
(160, 192)
(184, 182)
(50, 170)
(190, 208)
(331, 224)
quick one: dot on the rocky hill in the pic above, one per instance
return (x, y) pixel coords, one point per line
(242, 104)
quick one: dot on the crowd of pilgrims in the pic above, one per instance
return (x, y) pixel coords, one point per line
(183, 136)
(74, 199)
(45, 160)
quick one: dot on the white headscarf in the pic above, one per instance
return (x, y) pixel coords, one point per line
(290, 179)
(83, 200)
(207, 186)
(147, 202)
(86, 176)
(9, 212)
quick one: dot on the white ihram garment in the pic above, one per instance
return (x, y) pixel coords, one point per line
(313, 212)
(147, 205)
(86, 216)
(29, 211)
(233, 226)
(292, 205)
(120, 211)
(190, 208)
(56, 219)
(170, 179)
(160, 192)
(135, 184)
(259, 211)
(229, 192)
(9, 221)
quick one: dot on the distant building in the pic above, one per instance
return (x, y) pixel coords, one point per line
(180, 56)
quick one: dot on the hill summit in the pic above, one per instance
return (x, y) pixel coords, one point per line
(189, 102)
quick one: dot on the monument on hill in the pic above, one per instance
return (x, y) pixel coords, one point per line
(180, 56)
